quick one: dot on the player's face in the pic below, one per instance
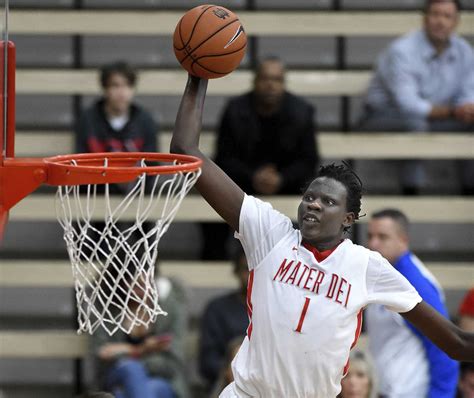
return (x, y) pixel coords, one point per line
(355, 385)
(440, 21)
(270, 82)
(386, 237)
(322, 213)
(118, 94)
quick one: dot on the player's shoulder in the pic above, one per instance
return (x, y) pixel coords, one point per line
(259, 212)
(354, 248)
(253, 201)
(355, 252)
(374, 259)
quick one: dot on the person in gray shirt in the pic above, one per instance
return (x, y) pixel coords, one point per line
(424, 81)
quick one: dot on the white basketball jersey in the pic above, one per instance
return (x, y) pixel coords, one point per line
(305, 315)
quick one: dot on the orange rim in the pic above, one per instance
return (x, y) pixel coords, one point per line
(113, 167)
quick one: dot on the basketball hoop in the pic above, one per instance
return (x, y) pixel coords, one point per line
(113, 261)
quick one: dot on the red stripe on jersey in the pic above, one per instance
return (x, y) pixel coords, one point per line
(320, 256)
(249, 303)
(356, 338)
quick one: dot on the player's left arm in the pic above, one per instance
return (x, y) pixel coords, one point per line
(457, 343)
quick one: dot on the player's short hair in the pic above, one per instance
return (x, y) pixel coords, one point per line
(429, 3)
(351, 181)
(396, 215)
(121, 68)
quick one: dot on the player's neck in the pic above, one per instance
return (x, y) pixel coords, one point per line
(324, 246)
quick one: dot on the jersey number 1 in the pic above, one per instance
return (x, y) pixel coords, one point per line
(303, 314)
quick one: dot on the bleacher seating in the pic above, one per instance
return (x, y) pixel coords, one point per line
(329, 47)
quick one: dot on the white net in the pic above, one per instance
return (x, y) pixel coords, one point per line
(112, 243)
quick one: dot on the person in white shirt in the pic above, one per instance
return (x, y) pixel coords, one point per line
(307, 286)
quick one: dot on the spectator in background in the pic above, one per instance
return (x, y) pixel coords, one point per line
(224, 319)
(266, 144)
(114, 123)
(466, 381)
(424, 82)
(359, 381)
(408, 363)
(466, 312)
(146, 363)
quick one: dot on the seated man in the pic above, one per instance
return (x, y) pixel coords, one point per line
(266, 144)
(424, 82)
(224, 319)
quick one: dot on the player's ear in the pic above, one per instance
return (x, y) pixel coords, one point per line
(349, 219)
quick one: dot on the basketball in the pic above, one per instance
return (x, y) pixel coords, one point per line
(209, 41)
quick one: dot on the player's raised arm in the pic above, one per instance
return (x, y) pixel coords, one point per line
(215, 186)
(457, 343)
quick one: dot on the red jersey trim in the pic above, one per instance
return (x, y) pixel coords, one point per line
(320, 256)
(249, 303)
(356, 338)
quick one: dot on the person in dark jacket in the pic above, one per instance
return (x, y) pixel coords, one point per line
(114, 123)
(266, 144)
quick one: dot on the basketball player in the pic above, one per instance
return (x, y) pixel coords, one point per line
(307, 286)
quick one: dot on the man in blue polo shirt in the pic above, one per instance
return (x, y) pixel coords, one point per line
(408, 364)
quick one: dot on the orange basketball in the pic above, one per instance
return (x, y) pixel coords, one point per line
(209, 41)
